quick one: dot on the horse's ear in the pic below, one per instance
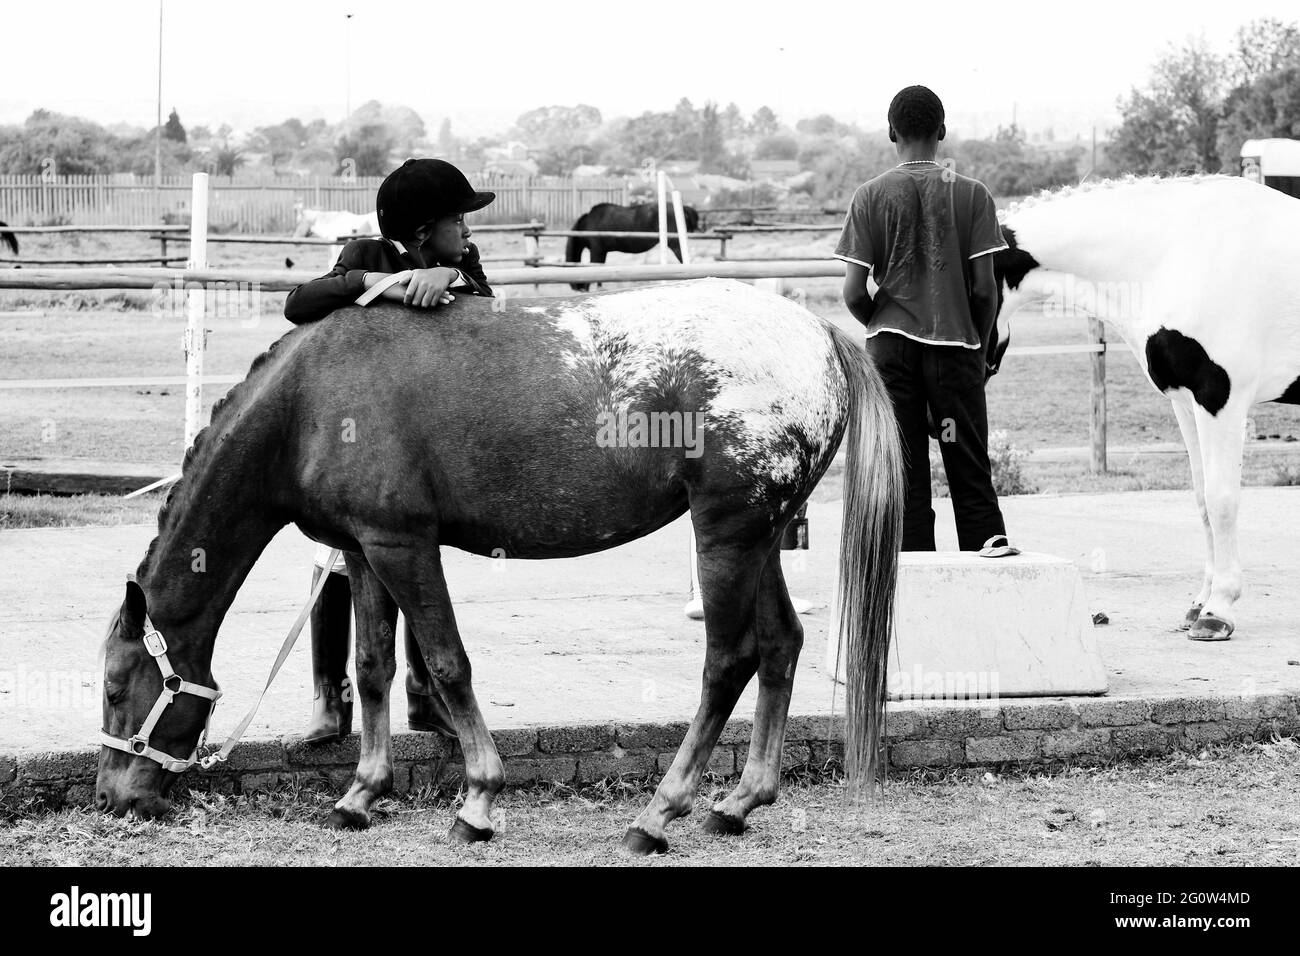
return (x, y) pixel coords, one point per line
(134, 607)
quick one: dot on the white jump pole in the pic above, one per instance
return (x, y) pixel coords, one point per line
(663, 218)
(695, 606)
(195, 335)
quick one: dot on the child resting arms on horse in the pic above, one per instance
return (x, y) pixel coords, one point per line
(424, 257)
(927, 235)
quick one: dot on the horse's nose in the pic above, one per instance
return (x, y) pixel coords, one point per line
(101, 801)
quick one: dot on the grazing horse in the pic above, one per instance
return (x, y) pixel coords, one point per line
(331, 224)
(390, 434)
(608, 217)
(8, 238)
(1199, 276)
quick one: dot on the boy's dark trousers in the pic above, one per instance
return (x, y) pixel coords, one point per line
(948, 381)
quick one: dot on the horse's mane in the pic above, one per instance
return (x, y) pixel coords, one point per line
(1050, 195)
(198, 453)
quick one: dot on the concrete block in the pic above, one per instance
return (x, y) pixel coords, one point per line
(927, 753)
(656, 736)
(1068, 745)
(1008, 748)
(1187, 710)
(526, 770)
(902, 722)
(1143, 741)
(58, 766)
(967, 626)
(598, 766)
(575, 739)
(946, 720)
(1038, 716)
(1113, 713)
(515, 742)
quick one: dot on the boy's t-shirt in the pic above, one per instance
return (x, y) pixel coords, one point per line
(916, 227)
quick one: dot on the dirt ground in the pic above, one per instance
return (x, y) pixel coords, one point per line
(1230, 806)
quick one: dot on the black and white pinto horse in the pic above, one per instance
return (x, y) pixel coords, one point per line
(8, 238)
(609, 217)
(1201, 277)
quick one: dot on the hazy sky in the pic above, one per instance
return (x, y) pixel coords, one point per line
(255, 61)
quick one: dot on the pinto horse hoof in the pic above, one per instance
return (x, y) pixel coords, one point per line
(463, 833)
(1193, 614)
(721, 824)
(1210, 627)
(637, 842)
(347, 820)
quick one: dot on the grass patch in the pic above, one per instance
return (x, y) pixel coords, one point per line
(59, 511)
(1231, 804)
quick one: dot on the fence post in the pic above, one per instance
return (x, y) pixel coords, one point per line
(195, 334)
(663, 217)
(533, 252)
(1097, 424)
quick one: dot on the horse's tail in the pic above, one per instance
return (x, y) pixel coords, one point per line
(8, 238)
(874, 492)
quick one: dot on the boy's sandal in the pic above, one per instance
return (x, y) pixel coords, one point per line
(998, 547)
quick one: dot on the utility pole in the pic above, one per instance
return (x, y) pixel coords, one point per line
(347, 66)
(157, 132)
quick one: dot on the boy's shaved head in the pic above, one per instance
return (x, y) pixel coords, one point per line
(916, 113)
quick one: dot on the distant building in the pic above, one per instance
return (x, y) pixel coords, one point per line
(773, 170)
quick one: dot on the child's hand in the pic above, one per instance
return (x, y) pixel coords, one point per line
(428, 287)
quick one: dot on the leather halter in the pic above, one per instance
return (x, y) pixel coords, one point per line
(173, 684)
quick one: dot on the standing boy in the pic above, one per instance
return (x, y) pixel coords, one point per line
(424, 257)
(926, 234)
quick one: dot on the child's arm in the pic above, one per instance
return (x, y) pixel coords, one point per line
(340, 287)
(855, 248)
(856, 295)
(984, 304)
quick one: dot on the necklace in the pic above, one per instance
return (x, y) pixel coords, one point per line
(918, 162)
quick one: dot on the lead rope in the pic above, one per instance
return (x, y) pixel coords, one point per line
(208, 762)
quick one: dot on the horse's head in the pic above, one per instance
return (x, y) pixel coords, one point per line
(1010, 266)
(154, 717)
(306, 218)
(692, 218)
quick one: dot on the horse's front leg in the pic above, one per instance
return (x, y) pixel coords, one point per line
(1185, 412)
(1222, 436)
(376, 615)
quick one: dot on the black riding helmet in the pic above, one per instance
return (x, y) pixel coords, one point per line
(420, 190)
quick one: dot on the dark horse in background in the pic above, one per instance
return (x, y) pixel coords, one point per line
(391, 434)
(8, 238)
(608, 217)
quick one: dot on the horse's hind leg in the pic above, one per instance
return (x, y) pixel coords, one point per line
(376, 618)
(780, 638)
(728, 580)
(414, 576)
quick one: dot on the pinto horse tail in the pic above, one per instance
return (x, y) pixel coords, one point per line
(8, 238)
(874, 493)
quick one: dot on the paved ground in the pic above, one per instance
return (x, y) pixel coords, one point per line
(603, 638)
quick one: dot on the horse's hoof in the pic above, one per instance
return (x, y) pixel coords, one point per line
(463, 832)
(1210, 627)
(347, 820)
(722, 824)
(1192, 615)
(639, 843)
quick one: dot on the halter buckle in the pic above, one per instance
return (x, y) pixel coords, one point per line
(138, 745)
(154, 642)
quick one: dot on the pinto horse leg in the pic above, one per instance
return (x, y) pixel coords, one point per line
(414, 575)
(376, 619)
(1222, 437)
(728, 580)
(1184, 411)
(780, 638)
